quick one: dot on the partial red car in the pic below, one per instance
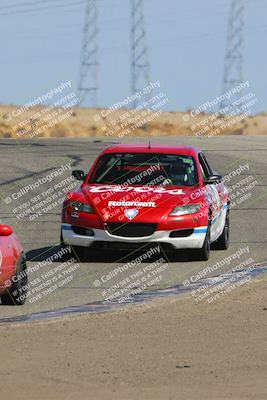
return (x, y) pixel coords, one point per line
(138, 194)
(13, 268)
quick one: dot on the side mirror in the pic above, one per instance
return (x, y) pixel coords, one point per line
(6, 230)
(79, 174)
(213, 179)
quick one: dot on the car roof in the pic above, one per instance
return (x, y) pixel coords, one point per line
(153, 148)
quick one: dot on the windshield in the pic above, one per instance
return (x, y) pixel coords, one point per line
(145, 169)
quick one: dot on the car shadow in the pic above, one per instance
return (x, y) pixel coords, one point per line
(43, 253)
(54, 254)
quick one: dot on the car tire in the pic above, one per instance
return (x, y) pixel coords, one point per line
(63, 246)
(222, 243)
(62, 243)
(203, 254)
(78, 252)
(15, 296)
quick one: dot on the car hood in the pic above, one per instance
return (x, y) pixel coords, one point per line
(161, 196)
(111, 201)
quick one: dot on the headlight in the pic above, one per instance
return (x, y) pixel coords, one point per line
(79, 206)
(187, 209)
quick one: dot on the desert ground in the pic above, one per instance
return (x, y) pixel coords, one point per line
(169, 349)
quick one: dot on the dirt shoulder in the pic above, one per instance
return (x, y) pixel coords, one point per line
(171, 349)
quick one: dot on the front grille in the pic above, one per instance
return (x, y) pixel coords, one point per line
(128, 246)
(130, 229)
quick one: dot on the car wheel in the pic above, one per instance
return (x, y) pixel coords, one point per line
(63, 246)
(203, 254)
(79, 252)
(222, 243)
(17, 293)
(62, 243)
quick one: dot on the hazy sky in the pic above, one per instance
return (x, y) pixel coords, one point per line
(186, 42)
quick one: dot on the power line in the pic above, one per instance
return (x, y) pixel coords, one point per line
(49, 7)
(19, 5)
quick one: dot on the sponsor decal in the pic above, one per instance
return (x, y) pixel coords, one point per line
(131, 213)
(132, 204)
(142, 189)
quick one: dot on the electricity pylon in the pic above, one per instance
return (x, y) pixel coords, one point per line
(88, 76)
(140, 68)
(233, 72)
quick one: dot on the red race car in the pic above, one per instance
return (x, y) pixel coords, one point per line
(13, 273)
(137, 194)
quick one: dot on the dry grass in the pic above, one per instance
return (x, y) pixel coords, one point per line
(82, 122)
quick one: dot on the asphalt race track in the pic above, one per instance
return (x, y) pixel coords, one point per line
(25, 163)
